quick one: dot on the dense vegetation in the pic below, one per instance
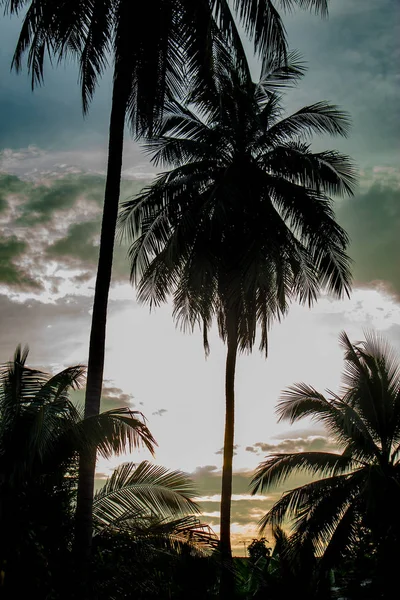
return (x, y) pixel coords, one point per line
(148, 541)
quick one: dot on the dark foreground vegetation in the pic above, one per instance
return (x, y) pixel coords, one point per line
(149, 541)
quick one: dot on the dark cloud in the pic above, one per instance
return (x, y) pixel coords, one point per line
(9, 185)
(208, 480)
(80, 244)
(44, 201)
(351, 59)
(247, 510)
(311, 443)
(301, 433)
(160, 412)
(48, 328)
(79, 248)
(58, 219)
(12, 273)
(372, 220)
(39, 202)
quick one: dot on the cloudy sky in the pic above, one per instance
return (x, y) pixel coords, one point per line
(51, 183)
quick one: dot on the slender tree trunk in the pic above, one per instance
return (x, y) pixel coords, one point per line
(227, 577)
(87, 463)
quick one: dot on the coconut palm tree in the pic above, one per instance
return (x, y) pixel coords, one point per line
(41, 435)
(145, 521)
(243, 223)
(359, 485)
(154, 51)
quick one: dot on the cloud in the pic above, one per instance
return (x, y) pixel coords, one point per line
(78, 245)
(53, 329)
(372, 220)
(51, 231)
(112, 397)
(12, 272)
(352, 58)
(160, 412)
(208, 480)
(311, 443)
(246, 509)
(43, 202)
(115, 397)
(235, 447)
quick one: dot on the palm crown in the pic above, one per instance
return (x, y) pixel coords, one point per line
(360, 484)
(154, 47)
(243, 223)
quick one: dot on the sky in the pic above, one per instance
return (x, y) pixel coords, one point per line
(52, 164)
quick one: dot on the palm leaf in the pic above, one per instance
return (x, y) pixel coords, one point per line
(140, 491)
(111, 432)
(278, 467)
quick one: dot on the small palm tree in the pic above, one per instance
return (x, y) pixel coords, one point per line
(145, 519)
(243, 223)
(153, 51)
(41, 435)
(360, 485)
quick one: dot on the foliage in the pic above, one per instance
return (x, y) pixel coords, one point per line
(243, 223)
(258, 549)
(155, 51)
(279, 574)
(153, 566)
(41, 434)
(360, 485)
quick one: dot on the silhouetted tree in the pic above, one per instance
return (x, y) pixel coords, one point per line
(243, 223)
(154, 49)
(360, 486)
(41, 435)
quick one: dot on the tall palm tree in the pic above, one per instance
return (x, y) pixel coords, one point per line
(153, 53)
(359, 486)
(243, 223)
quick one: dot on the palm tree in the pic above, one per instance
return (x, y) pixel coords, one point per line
(145, 522)
(243, 223)
(359, 486)
(153, 55)
(41, 435)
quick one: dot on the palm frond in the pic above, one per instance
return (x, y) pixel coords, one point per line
(112, 432)
(263, 24)
(278, 467)
(174, 534)
(277, 73)
(321, 117)
(142, 491)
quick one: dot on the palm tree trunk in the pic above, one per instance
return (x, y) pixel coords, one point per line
(87, 463)
(227, 577)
